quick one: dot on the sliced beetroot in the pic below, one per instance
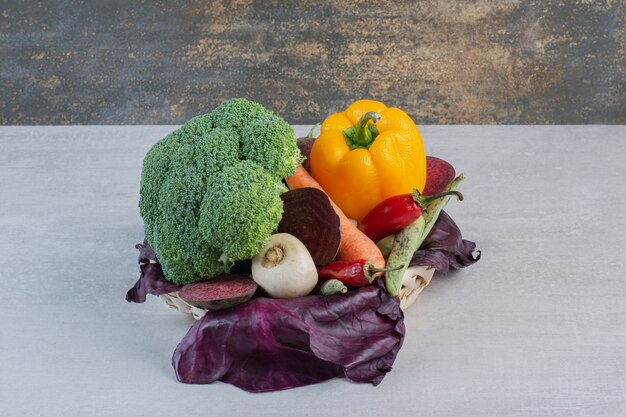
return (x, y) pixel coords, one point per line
(439, 174)
(219, 293)
(305, 145)
(309, 216)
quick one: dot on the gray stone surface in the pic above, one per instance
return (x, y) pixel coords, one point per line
(536, 328)
(445, 62)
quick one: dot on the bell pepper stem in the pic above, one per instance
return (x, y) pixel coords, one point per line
(363, 133)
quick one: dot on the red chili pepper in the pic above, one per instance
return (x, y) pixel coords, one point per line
(354, 273)
(396, 213)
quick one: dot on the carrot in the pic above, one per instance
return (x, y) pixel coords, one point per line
(354, 244)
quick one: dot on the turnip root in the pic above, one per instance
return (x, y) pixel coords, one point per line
(284, 268)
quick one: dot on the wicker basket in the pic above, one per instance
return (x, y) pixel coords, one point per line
(415, 279)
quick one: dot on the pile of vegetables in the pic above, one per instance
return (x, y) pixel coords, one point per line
(297, 249)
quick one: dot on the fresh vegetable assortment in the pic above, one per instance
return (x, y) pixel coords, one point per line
(296, 249)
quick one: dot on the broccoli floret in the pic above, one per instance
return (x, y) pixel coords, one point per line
(208, 154)
(271, 142)
(156, 168)
(241, 209)
(236, 113)
(215, 149)
(196, 126)
(204, 204)
(184, 255)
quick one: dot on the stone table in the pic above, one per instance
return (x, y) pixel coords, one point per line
(536, 328)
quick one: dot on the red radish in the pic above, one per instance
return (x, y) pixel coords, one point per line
(219, 293)
(439, 174)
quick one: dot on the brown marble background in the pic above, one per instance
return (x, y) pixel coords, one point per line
(144, 62)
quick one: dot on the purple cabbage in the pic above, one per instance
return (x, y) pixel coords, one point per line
(444, 247)
(268, 344)
(151, 279)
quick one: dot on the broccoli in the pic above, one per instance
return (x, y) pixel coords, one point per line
(208, 154)
(182, 251)
(210, 191)
(241, 209)
(156, 168)
(196, 126)
(271, 142)
(235, 114)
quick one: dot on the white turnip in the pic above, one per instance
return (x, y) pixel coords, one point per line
(284, 268)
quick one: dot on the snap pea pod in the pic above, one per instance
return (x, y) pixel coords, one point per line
(408, 240)
(405, 243)
(434, 209)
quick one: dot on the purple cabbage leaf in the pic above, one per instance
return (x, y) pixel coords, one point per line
(444, 248)
(271, 344)
(151, 279)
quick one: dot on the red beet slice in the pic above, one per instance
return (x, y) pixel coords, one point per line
(439, 174)
(309, 216)
(219, 293)
(305, 145)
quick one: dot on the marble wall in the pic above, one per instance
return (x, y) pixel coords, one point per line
(444, 62)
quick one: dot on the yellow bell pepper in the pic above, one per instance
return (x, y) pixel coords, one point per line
(367, 154)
